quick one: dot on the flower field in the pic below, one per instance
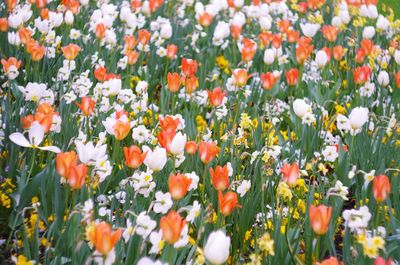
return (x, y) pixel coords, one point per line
(199, 132)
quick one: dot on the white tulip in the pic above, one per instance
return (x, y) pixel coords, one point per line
(265, 23)
(382, 23)
(301, 108)
(310, 29)
(35, 136)
(321, 58)
(90, 154)
(358, 117)
(69, 17)
(383, 78)
(166, 31)
(217, 247)
(368, 32)
(269, 56)
(372, 11)
(156, 159)
(344, 16)
(178, 144)
(397, 56)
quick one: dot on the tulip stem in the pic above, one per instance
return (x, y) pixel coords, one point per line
(317, 245)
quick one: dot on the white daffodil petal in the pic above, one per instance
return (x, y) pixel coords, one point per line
(54, 149)
(36, 134)
(19, 139)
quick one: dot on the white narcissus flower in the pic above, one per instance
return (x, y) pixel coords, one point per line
(301, 108)
(155, 159)
(217, 247)
(178, 144)
(144, 225)
(163, 202)
(90, 154)
(330, 153)
(35, 136)
(244, 187)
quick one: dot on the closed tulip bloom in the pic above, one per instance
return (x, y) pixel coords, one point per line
(156, 159)
(382, 261)
(240, 77)
(86, 106)
(70, 51)
(216, 250)
(228, 202)
(174, 82)
(169, 124)
(216, 96)
(292, 76)
(165, 139)
(397, 79)
(76, 176)
(121, 129)
(330, 261)
(37, 53)
(381, 187)
(134, 157)
(361, 74)
(338, 52)
(171, 226)
(178, 143)
(205, 19)
(189, 67)
(191, 83)
(248, 50)
(191, 147)
(320, 217)
(102, 237)
(132, 56)
(144, 36)
(100, 31)
(268, 80)
(64, 161)
(172, 49)
(290, 173)
(178, 185)
(220, 177)
(330, 32)
(208, 150)
(3, 24)
(11, 66)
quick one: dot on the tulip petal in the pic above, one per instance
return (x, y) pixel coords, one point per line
(36, 133)
(53, 149)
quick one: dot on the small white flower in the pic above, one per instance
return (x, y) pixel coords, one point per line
(163, 202)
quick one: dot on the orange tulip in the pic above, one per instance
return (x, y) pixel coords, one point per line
(367, 46)
(130, 42)
(165, 139)
(292, 76)
(284, 25)
(292, 35)
(76, 176)
(37, 52)
(169, 123)
(174, 82)
(172, 49)
(205, 19)
(315, 4)
(3, 24)
(171, 226)
(133, 56)
(361, 74)
(236, 31)
(10, 63)
(191, 147)
(121, 130)
(44, 115)
(189, 67)
(100, 30)
(240, 77)
(265, 38)
(178, 185)
(290, 173)
(216, 96)
(268, 80)
(381, 187)
(397, 79)
(70, 51)
(303, 51)
(64, 161)
(44, 13)
(27, 121)
(228, 202)
(87, 105)
(191, 84)
(144, 36)
(276, 41)
(40, 3)
(249, 48)
(102, 237)
(220, 177)
(338, 52)
(382, 261)
(320, 217)
(208, 150)
(134, 157)
(11, 4)
(330, 261)
(330, 32)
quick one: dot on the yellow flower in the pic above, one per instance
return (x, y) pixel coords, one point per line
(23, 261)
(284, 191)
(266, 244)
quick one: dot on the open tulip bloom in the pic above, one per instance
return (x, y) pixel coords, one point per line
(199, 132)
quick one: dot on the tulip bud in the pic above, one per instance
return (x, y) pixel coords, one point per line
(216, 250)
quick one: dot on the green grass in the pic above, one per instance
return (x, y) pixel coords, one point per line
(394, 4)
